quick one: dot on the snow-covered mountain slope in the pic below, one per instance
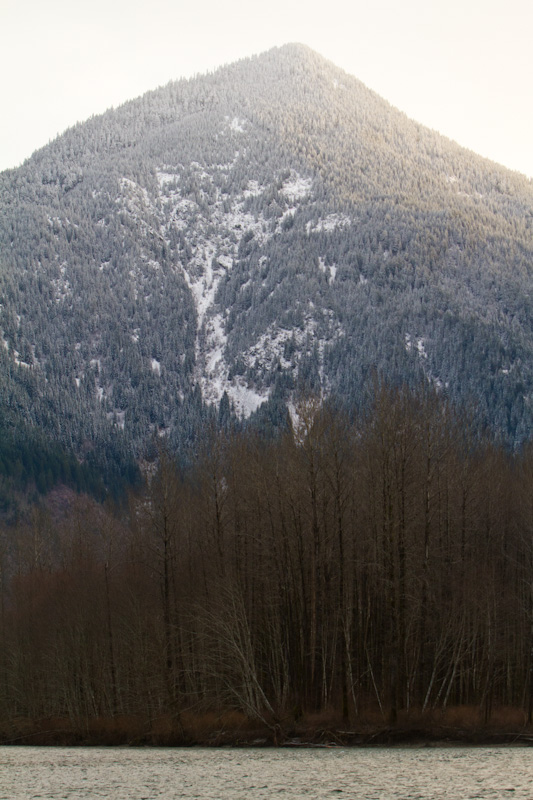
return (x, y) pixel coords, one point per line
(268, 230)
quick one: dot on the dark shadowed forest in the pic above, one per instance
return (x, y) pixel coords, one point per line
(348, 575)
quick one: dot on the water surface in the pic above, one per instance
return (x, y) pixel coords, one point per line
(455, 773)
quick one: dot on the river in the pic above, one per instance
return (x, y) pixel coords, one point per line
(440, 773)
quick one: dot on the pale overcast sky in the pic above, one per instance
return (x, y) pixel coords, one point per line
(463, 67)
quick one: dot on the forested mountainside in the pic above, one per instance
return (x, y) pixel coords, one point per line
(229, 242)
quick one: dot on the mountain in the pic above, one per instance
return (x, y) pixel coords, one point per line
(226, 243)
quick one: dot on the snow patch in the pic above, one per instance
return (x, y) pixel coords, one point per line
(302, 416)
(296, 187)
(254, 189)
(418, 345)
(62, 285)
(118, 418)
(330, 271)
(216, 342)
(421, 349)
(213, 248)
(237, 125)
(296, 421)
(156, 367)
(270, 347)
(245, 400)
(225, 261)
(164, 178)
(202, 174)
(329, 223)
(18, 362)
(452, 179)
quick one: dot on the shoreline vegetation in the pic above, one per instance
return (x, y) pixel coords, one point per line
(455, 727)
(358, 580)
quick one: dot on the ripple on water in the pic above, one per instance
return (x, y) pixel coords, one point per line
(28, 773)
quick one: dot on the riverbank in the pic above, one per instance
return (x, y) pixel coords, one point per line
(232, 729)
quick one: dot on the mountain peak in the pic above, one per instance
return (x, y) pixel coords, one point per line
(226, 243)
(299, 52)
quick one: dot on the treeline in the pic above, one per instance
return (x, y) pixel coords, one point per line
(378, 565)
(32, 464)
